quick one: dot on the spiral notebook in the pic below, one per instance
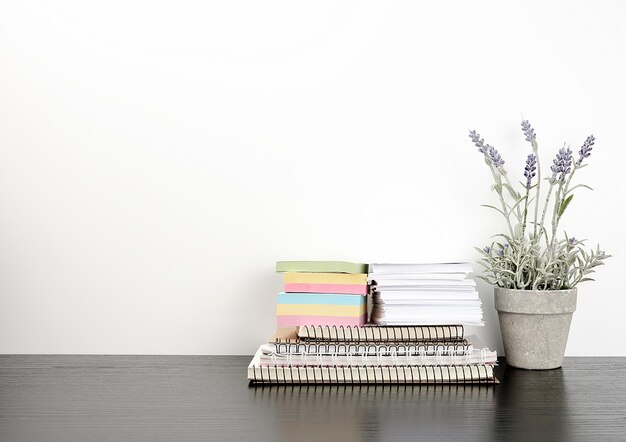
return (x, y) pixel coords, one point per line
(411, 333)
(384, 357)
(428, 348)
(323, 355)
(375, 374)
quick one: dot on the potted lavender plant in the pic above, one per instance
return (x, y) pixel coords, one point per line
(533, 269)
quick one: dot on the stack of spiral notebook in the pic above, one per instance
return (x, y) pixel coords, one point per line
(318, 353)
(371, 354)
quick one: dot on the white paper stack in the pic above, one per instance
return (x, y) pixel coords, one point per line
(424, 294)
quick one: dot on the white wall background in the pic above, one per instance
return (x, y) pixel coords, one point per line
(157, 158)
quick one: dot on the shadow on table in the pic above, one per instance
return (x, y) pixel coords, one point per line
(376, 412)
(531, 405)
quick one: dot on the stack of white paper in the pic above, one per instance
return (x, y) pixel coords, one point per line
(424, 294)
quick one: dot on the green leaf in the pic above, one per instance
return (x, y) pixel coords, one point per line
(578, 185)
(517, 203)
(494, 208)
(481, 251)
(564, 205)
(507, 237)
(511, 190)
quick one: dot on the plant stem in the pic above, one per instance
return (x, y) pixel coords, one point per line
(569, 179)
(497, 178)
(504, 206)
(543, 214)
(519, 215)
(555, 213)
(536, 149)
(525, 212)
(562, 193)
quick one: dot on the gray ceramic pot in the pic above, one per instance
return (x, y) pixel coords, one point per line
(534, 325)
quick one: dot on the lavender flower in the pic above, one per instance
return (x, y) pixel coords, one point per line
(531, 167)
(528, 131)
(562, 163)
(533, 256)
(478, 142)
(494, 156)
(490, 152)
(586, 148)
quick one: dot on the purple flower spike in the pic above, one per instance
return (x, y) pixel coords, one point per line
(555, 171)
(572, 241)
(490, 152)
(531, 167)
(487, 249)
(494, 156)
(528, 131)
(562, 163)
(586, 149)
(478, 142)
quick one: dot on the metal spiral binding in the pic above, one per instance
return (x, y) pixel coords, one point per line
(364, 343)
(404, 374)
(450, 347)
(393, 333)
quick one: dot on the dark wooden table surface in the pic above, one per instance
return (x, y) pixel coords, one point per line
(180, 398)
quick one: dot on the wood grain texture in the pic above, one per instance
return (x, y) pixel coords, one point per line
(180, 398)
